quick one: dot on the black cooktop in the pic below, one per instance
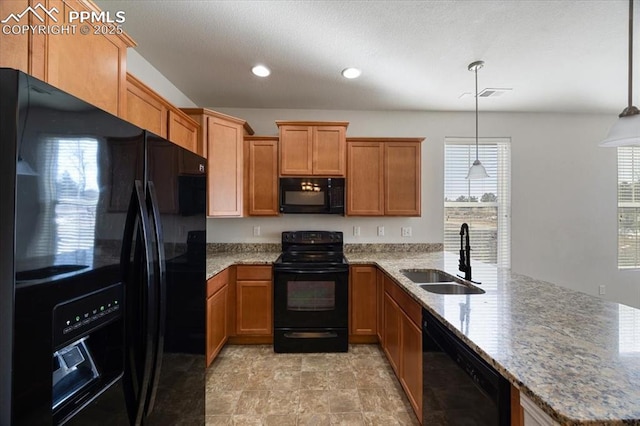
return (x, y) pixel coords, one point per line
(311, 249)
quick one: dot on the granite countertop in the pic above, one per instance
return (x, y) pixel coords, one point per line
(217, 261)
(576, 356)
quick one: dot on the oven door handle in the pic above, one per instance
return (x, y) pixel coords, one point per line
(312, 271)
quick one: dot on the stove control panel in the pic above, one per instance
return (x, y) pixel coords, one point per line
(312, 237)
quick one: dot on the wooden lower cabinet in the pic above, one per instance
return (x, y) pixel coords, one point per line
(403, 341)
(362, 301)
(254, 301)
(392, 327)
(216, 323)
(380, 305)
(411, 361)
(517, 413)
(217, 308)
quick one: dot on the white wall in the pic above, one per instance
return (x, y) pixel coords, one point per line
(147, 73)
(564, 214)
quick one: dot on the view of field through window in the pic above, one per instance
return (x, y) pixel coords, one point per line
(483, 204)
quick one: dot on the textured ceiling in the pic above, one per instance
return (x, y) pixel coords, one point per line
(560, 55)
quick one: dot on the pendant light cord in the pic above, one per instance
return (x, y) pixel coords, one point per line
(476, 73)
(630, 110)
(630, 52)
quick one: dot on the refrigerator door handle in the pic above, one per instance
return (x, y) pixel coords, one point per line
(136, 387)
(152, 203)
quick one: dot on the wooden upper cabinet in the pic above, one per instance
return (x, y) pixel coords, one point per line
(402, 178)
(223, 136)
(329, 150)
(183, 130)
(296, 150)
(365, 183)
(14, 50)
(261, 172)
(312, 148)
(150, 111)
(145, 108)
(383, 176)
(91, 67)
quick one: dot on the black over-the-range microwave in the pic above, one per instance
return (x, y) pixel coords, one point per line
(312, 195)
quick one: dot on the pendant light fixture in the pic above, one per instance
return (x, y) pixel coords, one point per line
(626, 131)
(477, 170)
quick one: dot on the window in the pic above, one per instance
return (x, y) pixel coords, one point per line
(484, 204)
(628, 207)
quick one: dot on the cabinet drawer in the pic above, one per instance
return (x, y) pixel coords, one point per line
(253, 272)
(216, 282)
(408, 305)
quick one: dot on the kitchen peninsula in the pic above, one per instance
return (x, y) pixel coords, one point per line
(566, 351)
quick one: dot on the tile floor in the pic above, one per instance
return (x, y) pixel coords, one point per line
(252, 385)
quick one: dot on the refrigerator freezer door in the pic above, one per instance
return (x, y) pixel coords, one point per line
(179, 384)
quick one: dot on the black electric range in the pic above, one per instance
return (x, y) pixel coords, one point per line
(311, 293)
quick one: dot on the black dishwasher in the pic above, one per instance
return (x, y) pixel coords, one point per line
(459, 388)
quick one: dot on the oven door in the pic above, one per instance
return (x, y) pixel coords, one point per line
(311, 298)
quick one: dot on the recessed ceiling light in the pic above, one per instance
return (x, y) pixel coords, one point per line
(261, 71)
(351, 73)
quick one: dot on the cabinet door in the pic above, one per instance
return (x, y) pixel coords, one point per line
(224, 178)
(329, 150)
(15, 47)
(253, 307)
(392, 325)
(296, 150)
(182, 131)
(263, 177)
(365, 183)
(380, 305)
(363, 300)
(144, 108)
(402, 179)
(216, 323)
(411, 362)
(91, 67)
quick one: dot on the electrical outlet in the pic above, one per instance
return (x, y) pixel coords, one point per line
(380, 231)
(356, 231)
(405, 231)
(601, 290)
(256, 231)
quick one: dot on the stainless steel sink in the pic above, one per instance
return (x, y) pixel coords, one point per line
(420, 276)
(450, 288)
(435, 281)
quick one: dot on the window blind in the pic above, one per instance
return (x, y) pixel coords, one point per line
(484, 204)
(628, 207)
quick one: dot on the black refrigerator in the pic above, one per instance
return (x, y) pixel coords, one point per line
(102, 266)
